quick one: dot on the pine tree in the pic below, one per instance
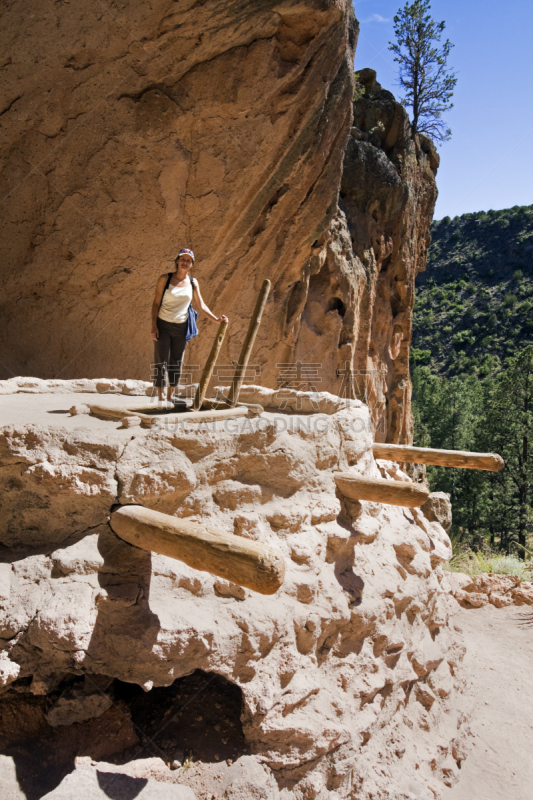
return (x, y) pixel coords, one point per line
(482, 415)
(424, 76)
(510, 421)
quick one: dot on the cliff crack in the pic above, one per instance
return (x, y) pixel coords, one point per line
(10, 105)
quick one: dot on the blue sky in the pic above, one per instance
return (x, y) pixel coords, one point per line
(489, 161)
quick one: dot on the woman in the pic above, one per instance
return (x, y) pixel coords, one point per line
(170, 311)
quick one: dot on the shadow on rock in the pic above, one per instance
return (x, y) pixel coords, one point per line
(125, 629)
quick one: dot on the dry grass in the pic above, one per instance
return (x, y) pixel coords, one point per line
(477, 563)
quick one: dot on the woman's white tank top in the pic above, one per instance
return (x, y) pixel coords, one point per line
(175, 304)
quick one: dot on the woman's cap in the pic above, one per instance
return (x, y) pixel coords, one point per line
(185, 252)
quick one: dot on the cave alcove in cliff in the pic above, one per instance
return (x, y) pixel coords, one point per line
(196, 718)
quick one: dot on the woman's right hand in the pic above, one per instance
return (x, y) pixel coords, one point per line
(155, 333)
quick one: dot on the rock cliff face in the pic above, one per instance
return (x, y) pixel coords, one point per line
(223, 128)
(357, 302)
(132, 131)
(345, 673)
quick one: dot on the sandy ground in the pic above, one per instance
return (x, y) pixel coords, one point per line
(26, 408)
(499, 661)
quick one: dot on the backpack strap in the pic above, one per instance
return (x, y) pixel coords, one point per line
(167, 284)
(169, 278)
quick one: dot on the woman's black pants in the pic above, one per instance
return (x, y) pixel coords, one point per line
(168, 352)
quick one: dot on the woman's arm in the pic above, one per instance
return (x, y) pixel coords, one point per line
(203, 307)
(159, 289)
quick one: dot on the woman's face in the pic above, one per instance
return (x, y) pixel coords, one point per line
(184, 263)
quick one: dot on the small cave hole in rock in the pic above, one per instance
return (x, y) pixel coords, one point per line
(396, 305)
(198, 718)
(336, 304)
(385, 264)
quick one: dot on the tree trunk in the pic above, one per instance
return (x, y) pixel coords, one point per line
(522, 518)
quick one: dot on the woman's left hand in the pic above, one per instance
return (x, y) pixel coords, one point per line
(223, 318)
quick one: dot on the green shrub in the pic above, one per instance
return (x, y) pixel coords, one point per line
(510, 300)
(421, 357)
(463, 337)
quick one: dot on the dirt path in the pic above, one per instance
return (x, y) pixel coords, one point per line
(499, 661)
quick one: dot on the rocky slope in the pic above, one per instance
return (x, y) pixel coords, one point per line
(346, 673)
(474, 304)
(497, 590)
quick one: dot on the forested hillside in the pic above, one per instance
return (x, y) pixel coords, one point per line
(474, 303)
(472, 369)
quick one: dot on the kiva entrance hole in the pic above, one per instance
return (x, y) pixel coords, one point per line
(198, 715)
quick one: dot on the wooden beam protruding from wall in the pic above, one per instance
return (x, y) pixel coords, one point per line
(403, 453)
(380, 490)
(250, 564)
